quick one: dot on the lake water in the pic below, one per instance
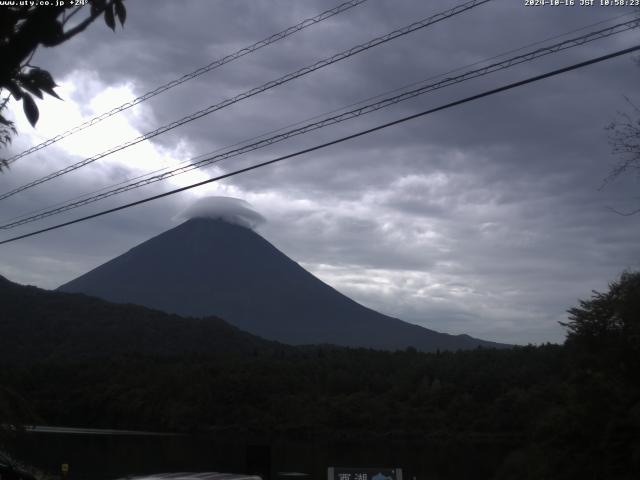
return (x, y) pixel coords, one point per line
(112, 456)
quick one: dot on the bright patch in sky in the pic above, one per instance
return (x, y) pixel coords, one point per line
(84, 97)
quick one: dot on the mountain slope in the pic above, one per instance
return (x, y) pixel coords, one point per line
(38, 325)
(211, 267)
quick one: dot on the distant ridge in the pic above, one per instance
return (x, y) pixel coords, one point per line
(211, 267)
(41, 325)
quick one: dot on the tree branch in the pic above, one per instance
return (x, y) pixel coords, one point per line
(76, 10)
(82, 25)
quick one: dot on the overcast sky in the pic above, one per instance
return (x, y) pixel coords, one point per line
(485, 219)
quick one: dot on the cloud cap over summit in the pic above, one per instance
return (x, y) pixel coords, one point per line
(231, 210)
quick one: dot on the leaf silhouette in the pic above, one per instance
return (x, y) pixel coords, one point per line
(14, 89)
(31, 88)
(42, 78)
(44, 81)
(30, 109)
(121, 11)
(97, 6)
(109, 18)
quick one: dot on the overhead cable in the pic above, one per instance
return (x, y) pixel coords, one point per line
(334, 142)
(363, 110)
(254, 91)
(190, 76)
(320, 115)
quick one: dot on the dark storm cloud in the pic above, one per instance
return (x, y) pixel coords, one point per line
(484, 219)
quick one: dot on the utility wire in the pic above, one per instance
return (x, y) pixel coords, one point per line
(266, 86)
(337, 141)
(369, 108)
(196, 73)
(65, 206)
(300, 122)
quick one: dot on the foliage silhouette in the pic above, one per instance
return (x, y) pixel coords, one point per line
(23, 28)
(563, 411)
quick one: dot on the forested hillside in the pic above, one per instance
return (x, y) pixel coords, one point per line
(566, 411)
(40, 325)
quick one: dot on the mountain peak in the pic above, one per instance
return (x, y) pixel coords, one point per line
(210, 266)
(227, 209)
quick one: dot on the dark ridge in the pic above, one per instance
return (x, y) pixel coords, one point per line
(37, 325)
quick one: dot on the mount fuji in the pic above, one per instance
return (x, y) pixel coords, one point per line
(210, 266)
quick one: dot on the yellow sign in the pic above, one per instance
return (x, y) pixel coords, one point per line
(64, 468)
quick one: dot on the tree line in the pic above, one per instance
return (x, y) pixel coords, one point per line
(563, 411)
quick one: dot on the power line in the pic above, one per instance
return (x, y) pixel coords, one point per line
(337, 141)
(93, 193)
(196, 73)
(320, 115)
(328, 121)
(300, 122)
(266, 86)
(363, 110)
